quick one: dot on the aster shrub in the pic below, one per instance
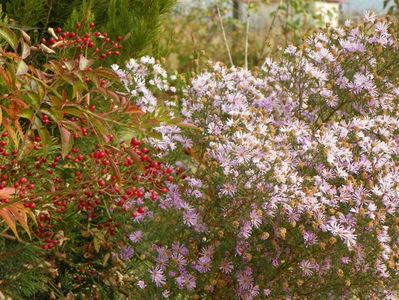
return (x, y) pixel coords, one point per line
(288, 176)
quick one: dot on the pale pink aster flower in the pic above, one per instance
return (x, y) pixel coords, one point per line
(136, 236)
(166, 294)
(226, 266)
(267, 292)
(306, 267)
(141, 284)
(157, 276)
(256, 220)
(370, 16)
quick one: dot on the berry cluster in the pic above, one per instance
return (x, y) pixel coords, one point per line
(95, 44)
(45, 232)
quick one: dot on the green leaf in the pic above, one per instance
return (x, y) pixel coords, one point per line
(98, 240)
(74, 111)
(27, 114)
(10, 37)
(33, 99)
(97, 244)
(45, 138)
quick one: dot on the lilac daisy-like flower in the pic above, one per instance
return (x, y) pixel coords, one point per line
(157, 276)
(309, 238)
(345, 260)
(267, 292)
(204, 264)
(177, 248)
(256, 219)
(226, 266)
(306, 267)
(141, 284)
(136, 236)
(126, 253)
(166, 294)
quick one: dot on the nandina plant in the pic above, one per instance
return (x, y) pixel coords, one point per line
(84, 40)
(67, 177)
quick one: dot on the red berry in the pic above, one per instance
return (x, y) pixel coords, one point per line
(23, 180)
(168, 171)
(163, 190)
(91, 25)
(154, 196)
(135, 142)
(101, 182)
(52, 41)
(58, 30)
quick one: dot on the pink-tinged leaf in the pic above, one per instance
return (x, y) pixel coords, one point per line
(26, 37)
(135, 158)
(133, 109)
(11, 132)
(5, 193)
(25, 50)
(46, 49)
(188, 125)
(84, 63)
(115, 170)
(19, 212)
(66, 141)
(9, 219)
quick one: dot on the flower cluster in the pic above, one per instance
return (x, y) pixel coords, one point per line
(142, 79)
(295, 179)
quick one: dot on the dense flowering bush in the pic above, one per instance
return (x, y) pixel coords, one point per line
(291, 190)
(279, 183)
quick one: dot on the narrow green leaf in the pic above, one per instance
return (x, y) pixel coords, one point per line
(45, 138)
(10, 37)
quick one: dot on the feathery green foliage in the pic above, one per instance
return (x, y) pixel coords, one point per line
(21, 276)
(137, 19)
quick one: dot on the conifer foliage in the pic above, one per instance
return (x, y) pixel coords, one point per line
(138, 19)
